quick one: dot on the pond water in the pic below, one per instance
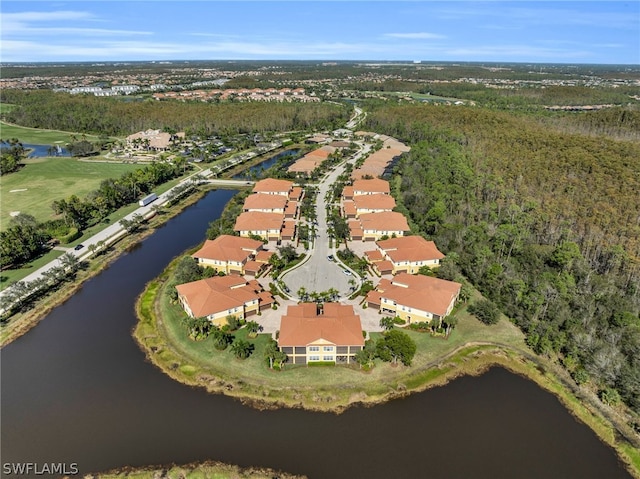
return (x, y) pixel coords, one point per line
(77, 389)
(37, 151)
(261, 167)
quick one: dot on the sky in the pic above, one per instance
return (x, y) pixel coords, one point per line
(495, 31)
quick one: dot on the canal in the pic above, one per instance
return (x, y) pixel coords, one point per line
(77, 389)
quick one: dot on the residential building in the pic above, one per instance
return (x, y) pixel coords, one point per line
(363, 204)
(404, 254)
(221, 296)
(266, 225)
(387, 223)
(414, 298)
(228, 254)
(374, 186)
(265, 203)
(310, 333)
(272, 186)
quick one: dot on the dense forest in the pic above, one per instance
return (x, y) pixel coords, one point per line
(115, 117)
(545, 223)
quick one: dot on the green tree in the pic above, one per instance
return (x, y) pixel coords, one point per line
(274, 356)
(253, 327)
(396, 346)
(242, 349)
(387, 323)
(485, 310)
(366, 356)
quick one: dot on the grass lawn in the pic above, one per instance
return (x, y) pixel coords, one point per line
(199, 362)
(36, 136)
(43, 180)
(9, 276)
(6, 107)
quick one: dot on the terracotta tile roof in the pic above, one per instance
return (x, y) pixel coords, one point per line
(374, 202)
(339, 144)
(384, 266)
(374, 185)
(291, 209)
(263, 256)
(217, 294)
(373, 256)
(252, 267)
(295, 193)
(421, 292)
(272, 185)
(319, 153)
(258, 221)
(410, 248)
(347, 192)
(384, 221)
(304, 165)
(262, 201)
(349, 208)
(338, 325)
(355, 230)
(228, 248)
(289, 228)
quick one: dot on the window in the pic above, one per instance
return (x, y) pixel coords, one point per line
(327, 348)
(314, 349)
(314, 358)
(327, 358)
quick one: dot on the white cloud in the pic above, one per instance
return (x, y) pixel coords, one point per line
(416, 36)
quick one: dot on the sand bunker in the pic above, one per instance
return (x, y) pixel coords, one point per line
(16, 191)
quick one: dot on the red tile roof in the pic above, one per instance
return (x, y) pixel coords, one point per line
(338, 325)
(421, 292)
(295, 193)
(228, 248)
(410, 248)
(384, 221)
(272, 185)
(217, 294)
(374, 202)
(374, 185)
(262, 201)
(258, 221)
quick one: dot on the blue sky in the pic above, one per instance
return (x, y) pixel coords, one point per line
(516, 31)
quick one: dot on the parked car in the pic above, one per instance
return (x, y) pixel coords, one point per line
(330, 257)
(79, 247)
(347, 272)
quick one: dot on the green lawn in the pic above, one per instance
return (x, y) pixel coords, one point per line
(193, 360)
(36, 136)
(43, 180)
(6, 107)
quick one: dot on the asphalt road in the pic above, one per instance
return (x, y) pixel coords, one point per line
(318, 273)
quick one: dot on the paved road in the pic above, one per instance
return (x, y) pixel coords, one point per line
(318, 273)
(111, 233)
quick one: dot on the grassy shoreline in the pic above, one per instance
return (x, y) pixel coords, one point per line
(204, 470)
(157, 329)
(21, 322)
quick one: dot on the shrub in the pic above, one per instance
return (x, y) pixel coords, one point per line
(485, 310)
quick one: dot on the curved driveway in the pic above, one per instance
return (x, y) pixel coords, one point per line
(318, 273)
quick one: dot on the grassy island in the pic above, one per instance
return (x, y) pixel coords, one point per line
(470, 350)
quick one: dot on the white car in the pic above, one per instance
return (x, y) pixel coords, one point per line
(347, 272)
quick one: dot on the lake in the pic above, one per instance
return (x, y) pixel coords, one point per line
(77, 389)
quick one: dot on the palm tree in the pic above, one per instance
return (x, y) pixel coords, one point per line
(333, 293)
(242, 349)
(253, 327)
